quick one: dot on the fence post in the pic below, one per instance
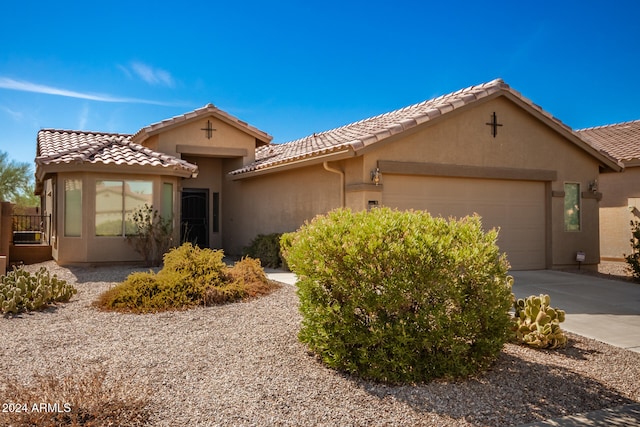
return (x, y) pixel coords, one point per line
(6, 211)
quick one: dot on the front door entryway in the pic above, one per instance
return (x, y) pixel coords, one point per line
(194, 218)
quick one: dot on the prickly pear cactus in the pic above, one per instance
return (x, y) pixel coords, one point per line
(537, 324)
(22, 291)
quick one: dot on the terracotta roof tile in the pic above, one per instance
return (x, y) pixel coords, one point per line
(621, 140)
(363, 133)
(366, 132)
(65, 146)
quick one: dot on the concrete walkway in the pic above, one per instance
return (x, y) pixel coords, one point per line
(605, 310)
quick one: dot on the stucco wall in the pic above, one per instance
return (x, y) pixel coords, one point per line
(275, 203)
(225, 136)
(523, 142)
(621, 192)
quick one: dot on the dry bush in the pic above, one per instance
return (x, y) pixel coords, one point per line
(191, 277)
(249, 275)
(74, 400)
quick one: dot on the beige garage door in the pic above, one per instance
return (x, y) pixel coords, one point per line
(517, 207)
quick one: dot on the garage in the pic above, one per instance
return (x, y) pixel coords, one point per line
(517, 208)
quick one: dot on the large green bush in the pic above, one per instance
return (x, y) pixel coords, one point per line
(23, 291)
(266, 247)
(401, 296)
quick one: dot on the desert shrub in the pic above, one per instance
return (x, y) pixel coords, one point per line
(537, 324)
(633, 259)
(266, 247)
(79, 399)
(150, 234)
(401, 296)
(22, 291)
(191, 276)
(248, 275)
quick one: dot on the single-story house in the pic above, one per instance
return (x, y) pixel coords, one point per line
(485, 149)
(620, 202)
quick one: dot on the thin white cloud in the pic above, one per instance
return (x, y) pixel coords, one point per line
(24, 86)
(153, 76)
(15, 115)
(83, 118)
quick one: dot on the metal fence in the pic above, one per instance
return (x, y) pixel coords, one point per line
(31, 229)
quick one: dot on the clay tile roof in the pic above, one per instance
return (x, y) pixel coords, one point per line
(621, 141)
(56, 147)
(369, 131)
(358, 135)
(207, 110)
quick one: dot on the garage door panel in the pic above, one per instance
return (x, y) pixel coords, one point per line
(516, 207)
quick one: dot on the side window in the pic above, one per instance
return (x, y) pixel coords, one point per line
(571, 206)
(72, 207)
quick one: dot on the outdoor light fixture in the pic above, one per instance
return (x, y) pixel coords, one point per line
(376, 176)
(593, 186)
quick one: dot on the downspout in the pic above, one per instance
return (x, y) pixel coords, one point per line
(341, 173)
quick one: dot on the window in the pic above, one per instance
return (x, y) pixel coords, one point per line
(167, 200)
(72, 207)
(116, 201)
(571, 207)
(216, 212)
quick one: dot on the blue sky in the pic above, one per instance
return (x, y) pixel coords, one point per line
(294, 68)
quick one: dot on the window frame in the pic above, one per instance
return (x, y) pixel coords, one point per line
(123, 204)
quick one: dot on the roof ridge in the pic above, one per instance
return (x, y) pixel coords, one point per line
(494, 82)
(84, 132)
(609, 125)
(91, 148)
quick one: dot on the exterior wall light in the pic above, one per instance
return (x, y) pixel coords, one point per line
(593, 186)
(376, 176)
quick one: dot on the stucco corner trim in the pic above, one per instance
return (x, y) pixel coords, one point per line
(589, 195)
(211, 151)
(465, 171)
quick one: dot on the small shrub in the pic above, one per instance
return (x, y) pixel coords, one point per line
(191, 276)
(267, 249)
(633, 260)
(76, 400)
(150, 234)
(401, 296)
(22, 291)
(537, 324)
(249, 275)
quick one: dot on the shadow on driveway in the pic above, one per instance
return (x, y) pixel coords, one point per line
(598, 308)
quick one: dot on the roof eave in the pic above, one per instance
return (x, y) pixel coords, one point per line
(43, 171)
(208, 111)
(345, 153)
(605, 159)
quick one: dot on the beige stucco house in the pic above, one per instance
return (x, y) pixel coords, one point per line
(485, 149)
(620, 202)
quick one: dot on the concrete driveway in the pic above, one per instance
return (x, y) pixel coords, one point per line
(605, 310)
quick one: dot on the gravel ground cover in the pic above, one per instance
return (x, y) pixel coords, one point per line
(241, 364)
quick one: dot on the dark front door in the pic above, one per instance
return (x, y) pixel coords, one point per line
(194, 219)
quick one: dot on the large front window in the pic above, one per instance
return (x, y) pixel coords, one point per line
(116, 201)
